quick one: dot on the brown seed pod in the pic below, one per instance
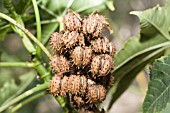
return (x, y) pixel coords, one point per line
(60, 64)
(94, 24)
(102, 45)
(58, 85)
(70, 39)
(77, 84)
(72, 21)
(78, 101)
(64, 86)
(56, 41)
(81, 56)
(101, 65)
(73, 84)
(95, 65)
(83, 85)
(96, 93)
(55, 85)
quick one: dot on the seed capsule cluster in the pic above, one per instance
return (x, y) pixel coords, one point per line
(82, 59)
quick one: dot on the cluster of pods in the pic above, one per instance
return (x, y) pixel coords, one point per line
(82, 59)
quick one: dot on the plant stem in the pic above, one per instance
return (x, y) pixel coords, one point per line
(61, 25)
(67, 7)
(38, 25)
(27, 43)
(48, 11)
(45, 75)
(65, 104)
(21, 104)
(31, 36)
(24, 95)
(18, 64)
(47, 22)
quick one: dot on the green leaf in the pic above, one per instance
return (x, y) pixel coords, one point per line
(85, 6)
(159, 86)
(109, 5)
(88, 5)
(3, 33)
(131, 59)
(22, 6)
(154, 21)
(131, 71)
(11, 89)
(136, 46)
(4, 28)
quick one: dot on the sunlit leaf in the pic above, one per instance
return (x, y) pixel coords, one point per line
(159, 86)
(154, 21)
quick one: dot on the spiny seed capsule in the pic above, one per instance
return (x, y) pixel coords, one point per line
(73, 38)
(55, 85)
(94, 24)
(81, 56)
(102, 45)
(72, 21)
(60, 64)
(78, 100)
(73, 84)
(58, 85)
(101, 65)
(64, 86)
(77, 84)
(96, 93)
(56, 41)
